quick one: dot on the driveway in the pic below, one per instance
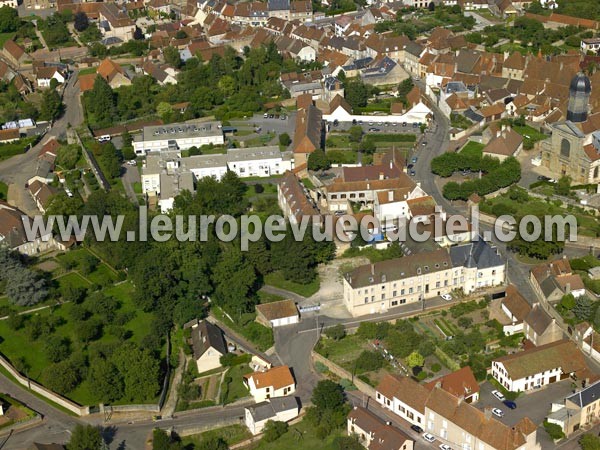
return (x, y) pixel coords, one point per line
(277, 126)
(535, 405)
(129, 176)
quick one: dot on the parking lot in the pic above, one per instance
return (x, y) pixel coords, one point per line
(535, 405)
(275, 125)
(380, 126)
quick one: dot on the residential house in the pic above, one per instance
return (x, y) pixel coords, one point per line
(404, 397)
(45, 74)
(412, 54)
(177, 136)
(259, 161)
(208, 344)
(14, 236)
(275, 382)
(42, 194)
(516, 309)
(309, 134)
(590, 45)
(278, 409)
(277, 314)
(579, 410)
(460, 383)
(115, 22)
(553, 280)
(482, 265)
(537, 367)
(163, 75)
(506, 143)
(113, 74)
(375, 434)
(14, 53)
(540, 328)
(294, 199)
(10, 135)
(383, 71)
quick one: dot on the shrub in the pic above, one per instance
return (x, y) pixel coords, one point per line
(231, 359)
(553, 430)
(337, 332)
(436, 367)
(368, 361)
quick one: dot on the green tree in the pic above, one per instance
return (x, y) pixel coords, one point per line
(356, 93)
(284, 139)
(583, 308)
(234, 278)
(415, 359)
(465, 322)
(139, 371)
(328, 395)
(318, 160)
(589, 442)
(81, 21)
(356, 133)
(164, 109)
(568, 301)
(100, 101)
(104, 376)
(368, 361)
(61, 377)
(9, 19)
(68, 155)
(57, 348)
(85, 437)
(274, 430)
(553, 430)
(172, 57)
(52, 105)
(213, 443)
(336, 332)
(563, 186)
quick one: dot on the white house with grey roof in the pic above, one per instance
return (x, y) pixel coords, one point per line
(208, 344)
(578, 410)
(259, 161)
(277, 409)
(177, 136)
(481, 265)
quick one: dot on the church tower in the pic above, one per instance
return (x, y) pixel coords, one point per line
(579, 97)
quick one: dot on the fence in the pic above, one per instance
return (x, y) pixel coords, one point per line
(46, 393)
(343, 373)
(102, 181)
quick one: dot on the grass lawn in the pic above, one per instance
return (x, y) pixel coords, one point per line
(72, 279)
(231, 434)
(301, 435)
(19, 345)
(103, 275)
(259, 335)
(343, 352)
(73, 257)
(15, 148)
(472, 148)
(342, 156)
(5, 37)
(338, 141)
(234, 389)
(137, 187)
(306, 290)
(266, 297)
(87, 70)
(533, 134)
(3, 191)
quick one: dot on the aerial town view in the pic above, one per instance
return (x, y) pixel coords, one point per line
(299, 224)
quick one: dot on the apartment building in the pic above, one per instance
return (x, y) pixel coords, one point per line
(177, 136)
(381, 286)
(579, 409)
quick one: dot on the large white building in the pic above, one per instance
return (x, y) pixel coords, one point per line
(177, 136)
(379, 287)
(537, 367)
(166, 174)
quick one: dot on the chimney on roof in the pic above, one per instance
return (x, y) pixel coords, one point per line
(438, 384)
(372, 269)
(368, 186)
(390, 196)
(381, 176)
(568, 288)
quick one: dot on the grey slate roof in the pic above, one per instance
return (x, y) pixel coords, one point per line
(472, 115)
(279, 5)
(269, 409)
(205, 336)
(586, 396)
(475, 254)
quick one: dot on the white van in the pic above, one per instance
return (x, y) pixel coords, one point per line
(104, 138)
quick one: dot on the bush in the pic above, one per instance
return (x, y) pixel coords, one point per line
(368, 361)
(231, 359)
(337, 332)
(274, 430)
(258, 188)
(435, 367)
(554, 431)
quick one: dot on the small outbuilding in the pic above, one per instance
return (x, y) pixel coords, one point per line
(277, 314)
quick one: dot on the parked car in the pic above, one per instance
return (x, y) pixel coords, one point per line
(509, 404)
(445, 447)
(373, 129)
(271, 116)
(266, 115)
(446, 297)
(104, 138)
(429, 437)
(413, 173)
(410, 166)
(424, 143)
(132, 162)
(498, 395)
(497, 412)
(283, 117)
(404, 124)
(414, 160)
(416, 428)
(543, 178)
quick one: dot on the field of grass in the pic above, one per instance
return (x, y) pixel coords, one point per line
(266, 297)
(32, 352)
(338, 141)
(306, 290)
(343, 352)
(443, 328)
(72, 279)
(231, 434)
(233, 387)
(259, 335)
(3, 191)
(87, 70)
(15, 148)
(303, 435)
(472, 148)
(342, 156)
(533, 134)
(137, 187)
(103, 275)
(5, 37)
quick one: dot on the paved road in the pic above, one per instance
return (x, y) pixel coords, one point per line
(20, 168)
(130, 175)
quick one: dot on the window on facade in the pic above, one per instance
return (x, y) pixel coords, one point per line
(565, 148)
